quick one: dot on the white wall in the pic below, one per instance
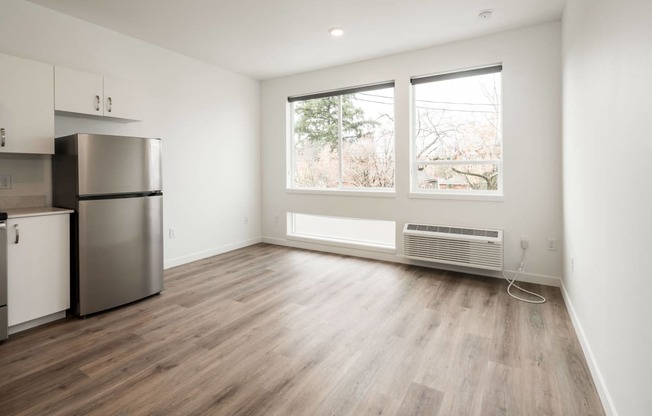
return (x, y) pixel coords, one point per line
(607, 148)
(532, 144)
(207, 117)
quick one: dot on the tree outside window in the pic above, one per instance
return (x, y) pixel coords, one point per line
(344, 140)
(458, 132)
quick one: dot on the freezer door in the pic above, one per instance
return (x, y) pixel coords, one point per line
(120, 252)
(118, 165)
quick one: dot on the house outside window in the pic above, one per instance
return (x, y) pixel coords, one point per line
(343, 140)
(457, 133)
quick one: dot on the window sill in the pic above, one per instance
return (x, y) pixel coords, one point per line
(342, 243)
(390, 193)
(457, 196)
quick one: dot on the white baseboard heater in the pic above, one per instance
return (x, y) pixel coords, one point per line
(472, 247)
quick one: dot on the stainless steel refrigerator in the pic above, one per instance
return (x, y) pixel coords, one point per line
(114, 185)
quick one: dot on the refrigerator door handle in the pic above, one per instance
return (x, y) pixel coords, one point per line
(17, 234)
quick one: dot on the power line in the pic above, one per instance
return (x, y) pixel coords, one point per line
(453, 102)
(427, 101)
(434, 108)
(456, 111)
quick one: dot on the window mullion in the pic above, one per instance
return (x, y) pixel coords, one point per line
(340, 181)
(293, 149)
(414, 176)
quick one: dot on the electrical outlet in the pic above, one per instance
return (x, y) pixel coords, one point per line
(172, 232)
(246, 220)
(525, 242)
(551, 244)
(5, 181)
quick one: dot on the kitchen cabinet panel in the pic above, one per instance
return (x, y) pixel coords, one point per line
(26, 106)
(121, 99)
(80, 92)
(39, 266)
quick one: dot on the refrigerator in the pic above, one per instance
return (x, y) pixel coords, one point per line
(114, 185)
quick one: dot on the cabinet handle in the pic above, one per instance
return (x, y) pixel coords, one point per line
(110, 104)
(17, 234)
(97, 103)
(2, 137)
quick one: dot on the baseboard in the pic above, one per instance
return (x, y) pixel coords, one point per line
(539, 279)
(36, 322)
(375, 255)
(605, 397)
(178, 261)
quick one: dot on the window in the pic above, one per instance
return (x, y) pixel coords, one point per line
(343, 140)
(457, 136)
(352, 232)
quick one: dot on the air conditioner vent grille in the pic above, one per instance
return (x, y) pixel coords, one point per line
(452, 230)
(471, 247)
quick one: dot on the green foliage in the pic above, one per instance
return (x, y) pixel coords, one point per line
(317, 120)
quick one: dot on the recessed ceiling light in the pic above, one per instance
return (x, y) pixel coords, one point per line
(485, 14)
(336, 32)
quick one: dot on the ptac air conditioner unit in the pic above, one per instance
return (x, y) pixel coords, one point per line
(471, 247)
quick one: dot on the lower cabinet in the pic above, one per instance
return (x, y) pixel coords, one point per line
(39, 266)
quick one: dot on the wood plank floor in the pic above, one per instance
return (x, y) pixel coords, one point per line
(268, 330)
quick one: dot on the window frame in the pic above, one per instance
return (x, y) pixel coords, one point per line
(415, 190)
(291, 144)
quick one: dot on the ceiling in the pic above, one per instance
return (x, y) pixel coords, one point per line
(272, 38)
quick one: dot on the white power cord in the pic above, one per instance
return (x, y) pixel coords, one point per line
(511, 283)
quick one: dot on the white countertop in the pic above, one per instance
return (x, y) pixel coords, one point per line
(35, 212)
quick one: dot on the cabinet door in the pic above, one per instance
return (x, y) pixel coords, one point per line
(39, 267)
(78, 92)
(121, 100)
(26, 106)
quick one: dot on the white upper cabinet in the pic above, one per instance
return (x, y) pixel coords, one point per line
(78, 92)
(26, 106)
(121, 99)
(84, 93)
